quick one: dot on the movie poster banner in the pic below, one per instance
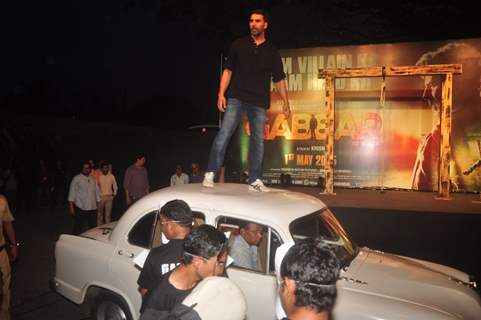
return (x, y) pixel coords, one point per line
(378, 144)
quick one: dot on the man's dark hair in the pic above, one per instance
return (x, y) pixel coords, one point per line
(308, 263)
(86, 162)
(104, 163)
(204, 241)
(178, 210)
(244, 224)
(139, 156)
(261, 12)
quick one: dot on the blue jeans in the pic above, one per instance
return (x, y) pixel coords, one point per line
(232, 117)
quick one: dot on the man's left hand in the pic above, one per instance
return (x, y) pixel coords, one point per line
(286, 109)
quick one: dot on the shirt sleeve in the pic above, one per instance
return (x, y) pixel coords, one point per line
(231, 60)
(242, 257)
(127, 178)
(278, 69)
(147, 276)
(72, 190)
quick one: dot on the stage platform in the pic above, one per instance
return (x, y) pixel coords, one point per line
(396, 200)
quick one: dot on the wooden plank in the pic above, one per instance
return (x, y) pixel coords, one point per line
(329, 165)
(445, 143)
(433, 69)
(391, 94)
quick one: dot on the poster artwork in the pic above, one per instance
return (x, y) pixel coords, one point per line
(393, 145)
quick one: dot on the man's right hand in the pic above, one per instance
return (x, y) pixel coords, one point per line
(71, 210)
(221, 103)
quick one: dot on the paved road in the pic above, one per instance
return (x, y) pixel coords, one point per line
(31, 296)
(451, 239)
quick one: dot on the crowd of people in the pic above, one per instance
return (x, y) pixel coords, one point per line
(177, 278)
(195, 255)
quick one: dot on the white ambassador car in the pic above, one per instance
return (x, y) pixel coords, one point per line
(97, 268)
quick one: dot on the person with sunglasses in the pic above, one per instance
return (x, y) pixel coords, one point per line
(205, 254)
(175, 222)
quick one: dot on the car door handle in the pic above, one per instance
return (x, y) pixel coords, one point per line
(124, 253)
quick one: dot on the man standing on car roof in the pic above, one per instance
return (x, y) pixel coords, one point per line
(245, 88)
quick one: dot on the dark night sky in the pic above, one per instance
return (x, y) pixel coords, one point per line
(157, 62)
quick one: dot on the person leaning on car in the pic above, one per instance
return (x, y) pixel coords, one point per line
(205, 255)
(175, 223)
(308, 276)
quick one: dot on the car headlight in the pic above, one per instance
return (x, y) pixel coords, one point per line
(470, 284)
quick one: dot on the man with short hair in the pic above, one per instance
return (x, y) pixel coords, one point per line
(179, 177)
(83, 197)
(108, 190)
(308, 276)
(205, 254)
(244, 246)
(175, 222)
(196, 176)
(245, 88)
(136, 181)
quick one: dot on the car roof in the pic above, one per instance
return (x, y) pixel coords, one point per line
(278, 206)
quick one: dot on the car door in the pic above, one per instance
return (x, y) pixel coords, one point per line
(123, 271)
(259, 286)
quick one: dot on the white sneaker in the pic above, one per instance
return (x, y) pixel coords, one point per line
(258, 185)
(208, 180)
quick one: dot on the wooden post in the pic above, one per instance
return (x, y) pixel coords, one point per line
(444, 70)
(445, 143)
(329, 163)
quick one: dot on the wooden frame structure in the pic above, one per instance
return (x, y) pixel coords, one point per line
(446, 71)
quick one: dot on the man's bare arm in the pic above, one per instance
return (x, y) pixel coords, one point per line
(224, 84)
(282, 91)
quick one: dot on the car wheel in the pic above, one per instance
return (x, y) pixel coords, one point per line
(110, 307)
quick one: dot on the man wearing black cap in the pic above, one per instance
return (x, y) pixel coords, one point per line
(175, 222)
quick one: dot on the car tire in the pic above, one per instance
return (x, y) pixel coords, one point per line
(108, 306)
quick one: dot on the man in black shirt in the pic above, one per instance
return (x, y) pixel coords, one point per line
(175, 221)
(205, 254)
(246, 81)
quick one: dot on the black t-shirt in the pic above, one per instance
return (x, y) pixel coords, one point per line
(160, 261)
(164, 297)
(253, 66)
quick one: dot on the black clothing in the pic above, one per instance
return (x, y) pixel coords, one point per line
(252, 68)
(84, 220)
(160, 261)
(164, 297)
(180, 312)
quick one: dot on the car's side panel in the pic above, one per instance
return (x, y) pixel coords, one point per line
(124, 274)
(359, 305)
(259, 290)
(76, 266)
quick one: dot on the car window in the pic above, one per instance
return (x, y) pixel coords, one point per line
(142, 232)
(274, 243)
(264, 259)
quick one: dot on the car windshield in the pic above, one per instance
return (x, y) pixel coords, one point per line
(323, 224)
